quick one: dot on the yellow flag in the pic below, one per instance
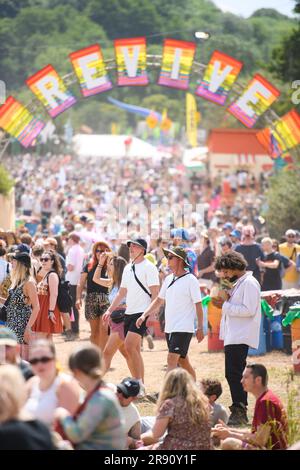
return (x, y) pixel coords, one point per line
(114, 129)
(166, 123)
(191, 119)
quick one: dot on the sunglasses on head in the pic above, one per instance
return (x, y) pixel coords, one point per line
(43, 360)
(45, 259)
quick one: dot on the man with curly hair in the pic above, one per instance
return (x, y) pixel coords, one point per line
(240, 325)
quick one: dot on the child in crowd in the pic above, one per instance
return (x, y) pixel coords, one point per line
(212, 388)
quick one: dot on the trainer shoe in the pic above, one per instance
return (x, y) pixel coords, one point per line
(150, 342)
(142, 392)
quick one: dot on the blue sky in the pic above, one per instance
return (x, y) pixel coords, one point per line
(246, 8)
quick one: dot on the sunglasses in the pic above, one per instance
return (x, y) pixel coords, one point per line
(45, 259)
(291, 236)
(42, 360)
(171, 257)
(100, 251)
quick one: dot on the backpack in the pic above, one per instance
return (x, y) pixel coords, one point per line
(64, 299)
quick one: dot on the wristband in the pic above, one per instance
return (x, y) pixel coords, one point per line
(100, 265)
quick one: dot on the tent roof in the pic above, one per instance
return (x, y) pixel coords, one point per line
(235, 141)
(113, 146)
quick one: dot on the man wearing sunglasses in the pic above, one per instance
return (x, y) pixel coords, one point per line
(181, 293)
(290, 249)
(139, 284)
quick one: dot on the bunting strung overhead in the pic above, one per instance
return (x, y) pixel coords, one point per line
(284, 135)
(50, 89)
(131, 66)
(90, 69)
(177, 63)
(17, 121)
(219, 77)
(255, 100)
(131, 61)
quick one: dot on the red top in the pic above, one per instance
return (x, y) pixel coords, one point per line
(269, 409)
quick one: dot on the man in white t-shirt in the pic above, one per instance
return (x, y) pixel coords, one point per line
(140, 283)
(181, 293)
(74, 263)
(127, 392)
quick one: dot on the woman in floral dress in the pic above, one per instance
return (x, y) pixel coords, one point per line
(183, 416)
(23, 305)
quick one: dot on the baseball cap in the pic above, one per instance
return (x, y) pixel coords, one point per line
(8, 337)
(129, 387)
(236, 233)
(50, 241)
(23, 258)
(138, 241)
(180, 233)
(22, 248)
(228, 225)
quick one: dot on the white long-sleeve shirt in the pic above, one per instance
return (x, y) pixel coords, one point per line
(241, 314)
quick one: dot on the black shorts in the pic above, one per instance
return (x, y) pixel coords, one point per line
(130, 324)
(178, 343)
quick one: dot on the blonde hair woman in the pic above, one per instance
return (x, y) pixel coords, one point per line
(15, 432)
(23, 304)
(49, 388)
(183, 412)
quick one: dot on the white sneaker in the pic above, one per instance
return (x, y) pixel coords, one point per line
(142, 392)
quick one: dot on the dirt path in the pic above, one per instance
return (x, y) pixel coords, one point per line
(206, 365)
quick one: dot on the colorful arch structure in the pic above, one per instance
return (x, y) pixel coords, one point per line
(216, 80)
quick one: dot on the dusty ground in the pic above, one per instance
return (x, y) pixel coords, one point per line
(206, 365)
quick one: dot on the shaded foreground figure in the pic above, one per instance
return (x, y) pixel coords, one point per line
(183, 412)
(97, 424)
(269, 425)
(17, 433)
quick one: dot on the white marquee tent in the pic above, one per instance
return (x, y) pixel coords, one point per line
(113, 146)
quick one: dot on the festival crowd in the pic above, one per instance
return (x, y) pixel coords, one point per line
(66, 259)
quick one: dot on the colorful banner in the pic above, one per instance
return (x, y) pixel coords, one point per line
(284, 135)
(49, 88)
(131, 61)
(219, 77)
(256, 99)
(177, 62)
(90, 69)
(17, 121)
(191, 119)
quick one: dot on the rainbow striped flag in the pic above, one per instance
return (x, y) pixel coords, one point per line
(17, 121)
(90, 69)
(177, 63)
(131, 61)
(50, 89)
(257, 97)
(219, 77)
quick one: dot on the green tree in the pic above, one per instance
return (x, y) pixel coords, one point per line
(283, 202)
(6, 182)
